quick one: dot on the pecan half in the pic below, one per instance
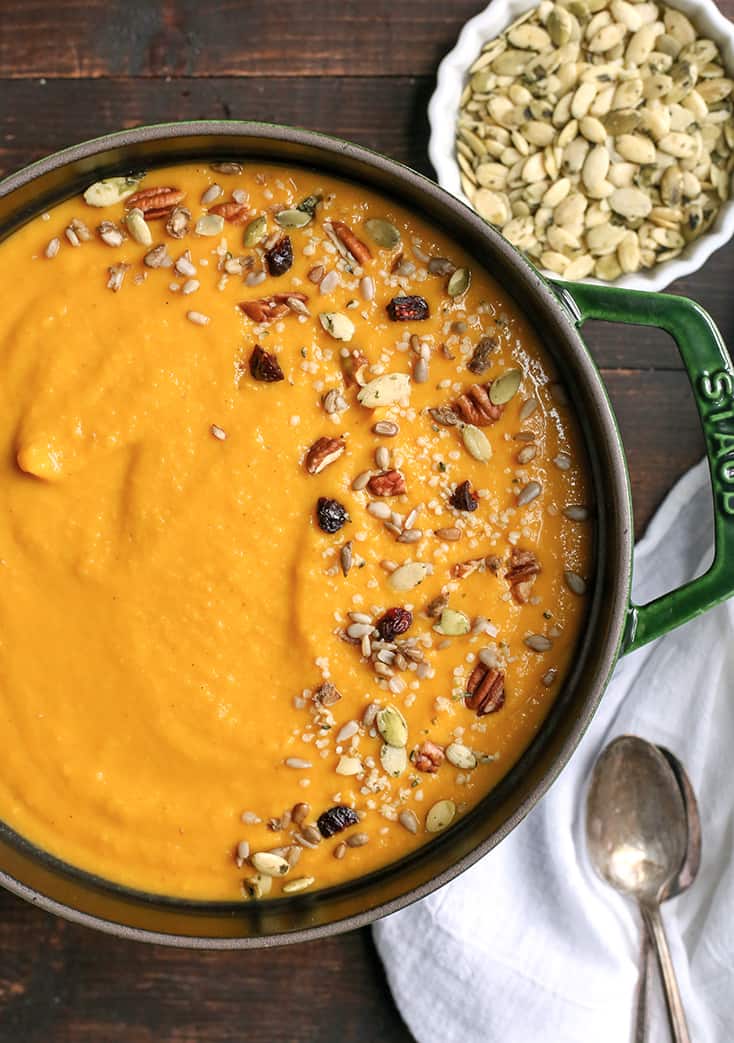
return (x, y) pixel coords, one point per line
(233, 213)
(479, 362)
(323, 452)
(386, 483)
(524, 567)
(486, 688)
(475, 407)
(155, 202)
(265, 366)
(359, 250)
(428, 757)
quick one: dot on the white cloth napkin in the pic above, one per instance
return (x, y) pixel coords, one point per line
(529, 945)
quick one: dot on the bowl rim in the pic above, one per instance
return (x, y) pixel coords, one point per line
(615, 482)
(443, 106)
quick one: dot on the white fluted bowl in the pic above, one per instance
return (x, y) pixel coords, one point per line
(452, 77)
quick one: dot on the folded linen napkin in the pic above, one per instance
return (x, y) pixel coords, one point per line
(529, 944)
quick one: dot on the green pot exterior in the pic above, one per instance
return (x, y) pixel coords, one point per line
(711, 374)
(613, 625)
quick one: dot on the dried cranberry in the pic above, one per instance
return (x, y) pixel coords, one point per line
(331, 514)
(406, 309)
(394, 622)
(463, 499)
(279, 257)
(335, 820)
(265, 366)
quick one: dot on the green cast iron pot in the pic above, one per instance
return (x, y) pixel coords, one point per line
(614, 625)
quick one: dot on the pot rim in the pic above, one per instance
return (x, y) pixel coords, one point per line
(616, 487)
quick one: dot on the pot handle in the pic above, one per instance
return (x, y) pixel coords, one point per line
(712, 378)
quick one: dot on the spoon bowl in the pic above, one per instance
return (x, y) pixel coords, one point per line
(636, 819)
(637, 833)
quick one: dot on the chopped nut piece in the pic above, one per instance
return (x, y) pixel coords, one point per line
(428, 757)
(327, 694)
(479, 361)
(387, 483)
(524, 567)
(475, 407)
(323, 452)
(233, 213)
(178, 222)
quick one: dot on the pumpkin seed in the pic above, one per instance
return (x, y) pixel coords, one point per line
(209, 225)
(384, 233)
(111, 190)
(505, 387)
(459, 282)
(460, 756)
(309, 205)
(440, 816)
(338, 326)
(476, 443)
(293, 218)
(394, 760)
(269, 864)
(256, 230)
(385, 390)
(453, 623)
(392, 726)
(407, 577)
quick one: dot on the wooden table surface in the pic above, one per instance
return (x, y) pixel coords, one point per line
(73, 69)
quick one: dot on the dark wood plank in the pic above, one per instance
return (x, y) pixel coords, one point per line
(67, 984)
(231, 38)
(388, 114)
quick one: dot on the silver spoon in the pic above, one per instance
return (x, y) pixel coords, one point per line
(678, 884)
(637, 836)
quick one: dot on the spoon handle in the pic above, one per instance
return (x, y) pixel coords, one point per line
(643, 984)
(654, 923)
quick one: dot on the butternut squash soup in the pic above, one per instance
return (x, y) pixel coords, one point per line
(294, 539)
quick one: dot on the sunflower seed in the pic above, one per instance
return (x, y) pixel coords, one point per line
(575, 583)
(529, 493)
(538, 643)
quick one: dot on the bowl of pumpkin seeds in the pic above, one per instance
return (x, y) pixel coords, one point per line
(596, 135)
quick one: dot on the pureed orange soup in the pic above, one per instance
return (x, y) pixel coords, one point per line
(294, 535)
